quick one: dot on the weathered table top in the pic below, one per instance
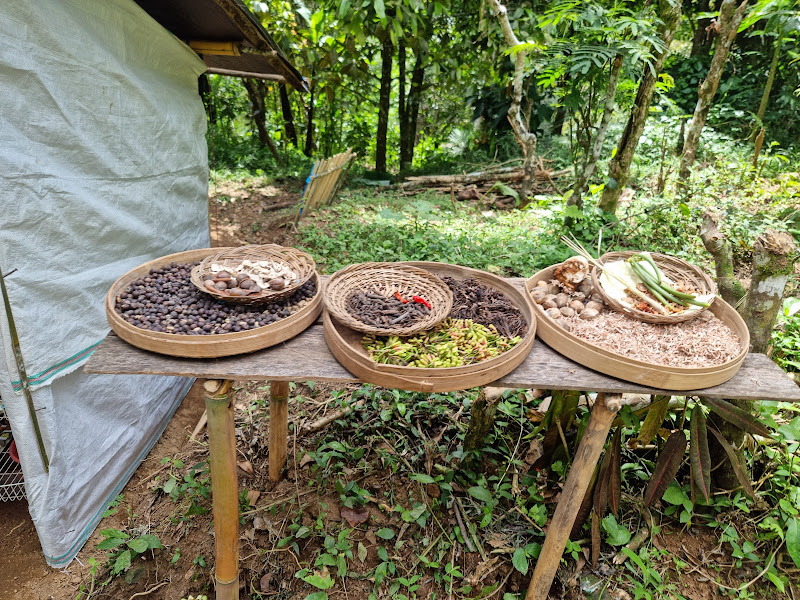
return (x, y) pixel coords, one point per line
(306, 357)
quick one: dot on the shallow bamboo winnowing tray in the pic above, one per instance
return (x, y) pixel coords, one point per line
(628, 369)
(205, 346)
(345, 344)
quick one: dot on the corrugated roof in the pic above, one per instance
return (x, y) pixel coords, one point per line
(250, 50)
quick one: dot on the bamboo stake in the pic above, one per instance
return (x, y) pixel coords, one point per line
(224, 486)
(578, 480)
(23, 375)
(278, 427)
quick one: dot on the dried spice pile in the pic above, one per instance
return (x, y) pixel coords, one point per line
(485, 305)
(701, 342)
(376, 310)
(166, 301)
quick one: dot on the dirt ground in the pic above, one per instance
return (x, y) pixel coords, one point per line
(185, 565)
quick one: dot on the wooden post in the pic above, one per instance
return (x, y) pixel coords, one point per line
(224, 487)
(578, 480)
(278, 427)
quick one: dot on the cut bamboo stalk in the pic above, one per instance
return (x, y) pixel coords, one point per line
(580, 475)
(224, 486)
(278, 427)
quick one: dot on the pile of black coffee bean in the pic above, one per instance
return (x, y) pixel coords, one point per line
(166, 301)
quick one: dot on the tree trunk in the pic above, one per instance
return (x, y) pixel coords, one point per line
(700, 37)
(730, 17)
(719, 248)
(383, 104)
(762, 107)
(414, 101)
(402, 109)
(526, 139)
(597, 147)
(481, 421)
(288, 117)
(619, 166)
(256, 89)
(308, 150)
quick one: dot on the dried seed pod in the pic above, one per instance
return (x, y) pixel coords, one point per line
(586, 287)
(567, 311)
(240, 277)
(254, 289)
(577, 306)
(594, 305)
(579, 296)
(221, 285)
(552, 288)
(538, 295)
(542, 283)
(210, 284)
(595, 297)
(238, 292)
(222, 275)
(589, 313)
(277, 284)
(246, 284)
(553, 313)
(562, 299)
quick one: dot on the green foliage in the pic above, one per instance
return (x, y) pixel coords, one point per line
(124, 548)
(786, 336)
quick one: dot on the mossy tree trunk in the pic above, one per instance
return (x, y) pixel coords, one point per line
(526, 139)
(619, 167)
(774, 254)
(730, 17)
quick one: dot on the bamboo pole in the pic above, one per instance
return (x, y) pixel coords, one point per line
(224, 487)
(578, 480)
(278, 427)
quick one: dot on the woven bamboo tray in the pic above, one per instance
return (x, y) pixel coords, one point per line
(345, 344)
(297, 260)
(386, 279)
(676, 269)
(643, 373)
(205, 346)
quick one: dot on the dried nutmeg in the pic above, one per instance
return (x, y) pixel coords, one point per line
(246, 284)
(552, 288)
(588, 314)
(585, 287)
(277, 284)
(242, 277)
(567, 311)
(210, 284)
(562, 299)
(221, 285)
(579, 296)
(542, 283)
(595, 297)
(238, 292)
(222, 275)
(254, 289)
(549, 302)
(598, 306)
(577, 306)
(207, 277)
(553, 313)
(538, 295)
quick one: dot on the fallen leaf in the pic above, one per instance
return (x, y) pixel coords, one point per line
(264, 582)
(535, 451)
(354, 516)
(362, 552)
(252, 497)
(245, 466)
(305, 460)
(433, 490)
(370, 535)
(259, 523)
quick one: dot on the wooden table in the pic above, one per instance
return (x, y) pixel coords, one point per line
(306, 357)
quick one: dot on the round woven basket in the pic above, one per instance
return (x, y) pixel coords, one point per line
(386, 279)
(679, 271)
(231, 258)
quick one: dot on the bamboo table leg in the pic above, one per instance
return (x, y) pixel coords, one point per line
(278, 427)
(224, 487)
(578, 479)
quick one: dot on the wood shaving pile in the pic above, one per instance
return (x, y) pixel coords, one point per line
(695, 343)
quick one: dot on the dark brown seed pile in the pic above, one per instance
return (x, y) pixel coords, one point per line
(373, 309)
(485, 305)
(166, 301)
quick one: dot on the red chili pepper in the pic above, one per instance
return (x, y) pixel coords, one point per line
(399, 297)
(420, 300)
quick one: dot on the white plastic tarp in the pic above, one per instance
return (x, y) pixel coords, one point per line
(103, 166)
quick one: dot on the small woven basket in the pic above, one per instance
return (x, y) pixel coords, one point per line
(386, 279)
(679, 271)
(298, 261)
